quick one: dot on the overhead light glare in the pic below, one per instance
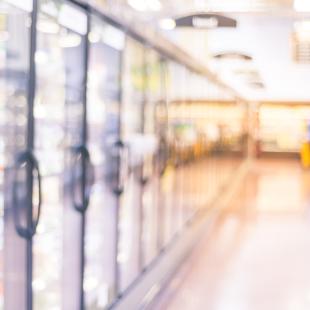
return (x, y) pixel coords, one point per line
(138, 5)
(113, 37)
(48, 26)
(41, 57)
(73, 18)
(302, 5)
(70, 41)
(145, 5)
(154, 5)
(94, 37)
(167, 24)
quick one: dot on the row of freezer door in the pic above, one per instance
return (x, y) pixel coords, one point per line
(82, 183)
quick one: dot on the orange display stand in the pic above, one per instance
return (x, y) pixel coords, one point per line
(305, 154)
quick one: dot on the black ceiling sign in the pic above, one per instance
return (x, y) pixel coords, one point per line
(205, 21)
(232, 55)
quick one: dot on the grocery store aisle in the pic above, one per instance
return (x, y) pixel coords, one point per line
(257, 255)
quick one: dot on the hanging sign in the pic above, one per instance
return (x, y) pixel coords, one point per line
(232, 55)
(205, 21)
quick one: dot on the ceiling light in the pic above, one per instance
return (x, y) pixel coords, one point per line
(302, 5)
(145, 5)
(167, 24)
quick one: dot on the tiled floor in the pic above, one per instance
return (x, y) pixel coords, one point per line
(257, 257)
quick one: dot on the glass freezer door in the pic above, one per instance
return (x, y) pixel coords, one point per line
(151, 211)
(15, 34)
(130, 222)
(103, 119)
(59, 145)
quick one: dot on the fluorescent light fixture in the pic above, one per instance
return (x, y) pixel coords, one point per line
(167, 24)
(145, 5)
(302, 5)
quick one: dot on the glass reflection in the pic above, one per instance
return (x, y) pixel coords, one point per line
(14, 66)
(150, 182)
(100, 283)
(129, 250)
(58, 113)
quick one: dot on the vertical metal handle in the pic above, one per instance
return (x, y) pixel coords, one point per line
(123, 171)
(163, 150)
(145, 177)
(162, 156)
(81, 162)
(39, 204)
(163, 144)
(28, 229)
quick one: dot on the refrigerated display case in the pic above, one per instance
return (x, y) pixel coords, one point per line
(130, 220)
(109, 147)
(14, 124)
(103, 120)
(59, 136)
(151, 207)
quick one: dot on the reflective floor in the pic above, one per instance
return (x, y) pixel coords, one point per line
(257, 254)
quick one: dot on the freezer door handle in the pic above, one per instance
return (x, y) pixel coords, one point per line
(163, 157)
(145, 180)
(81, 182)
(123, 171)
(26, 215)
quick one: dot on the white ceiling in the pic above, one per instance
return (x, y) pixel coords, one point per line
(180, 7)
(268, 39)
(264, 31)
